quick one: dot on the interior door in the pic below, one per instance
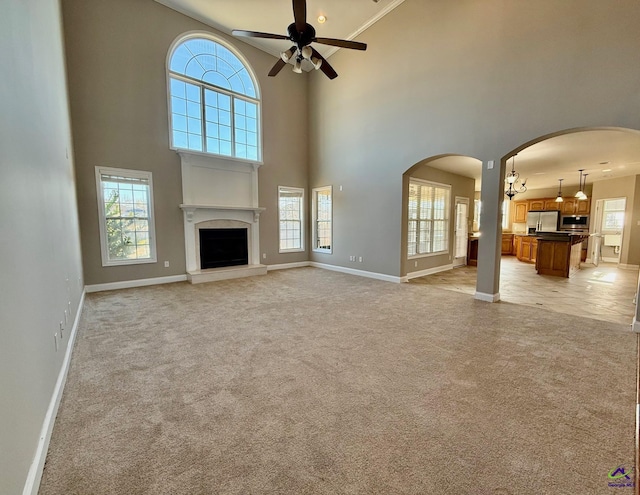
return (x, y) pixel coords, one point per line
(596, 238)
(461, 231)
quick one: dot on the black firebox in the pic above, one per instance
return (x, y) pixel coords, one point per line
(223, 247)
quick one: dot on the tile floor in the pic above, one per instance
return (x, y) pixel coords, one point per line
(604, 293)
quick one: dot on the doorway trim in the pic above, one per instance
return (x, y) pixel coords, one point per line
(460, 260)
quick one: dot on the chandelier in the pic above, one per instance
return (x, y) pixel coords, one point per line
(513, 181)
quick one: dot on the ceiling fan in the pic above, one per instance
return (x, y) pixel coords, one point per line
(302, 35)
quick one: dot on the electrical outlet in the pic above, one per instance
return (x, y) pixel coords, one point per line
(264, 256)
(55, 341)
(166, 264)
(360, 259)
(66, 318)
(415, 264)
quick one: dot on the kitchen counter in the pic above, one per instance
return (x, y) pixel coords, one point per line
(559, 253)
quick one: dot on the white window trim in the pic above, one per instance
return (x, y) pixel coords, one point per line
(314, 201)
(139, 174)
(258, 99)
(436, 253)
(302, 215)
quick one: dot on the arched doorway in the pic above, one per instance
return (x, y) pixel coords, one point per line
(438, 199)
(554, 167)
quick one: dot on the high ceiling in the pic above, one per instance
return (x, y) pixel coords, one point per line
(346, 19)
(603, 154)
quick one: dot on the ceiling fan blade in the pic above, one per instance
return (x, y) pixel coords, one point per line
(256, 34)
(300, 14)
(325, 67)
(354, 45)
(277, 68)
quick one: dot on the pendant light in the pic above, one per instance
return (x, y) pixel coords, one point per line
(580, 193)
(512, 180)
(559, 198)
(583, 196)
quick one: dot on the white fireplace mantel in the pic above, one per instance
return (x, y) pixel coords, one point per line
(218, 192)
(189, 210)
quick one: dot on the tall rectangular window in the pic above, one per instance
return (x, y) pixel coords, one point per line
(613, 215)
(322, 219)
(429, 206)
(291, 216)
(125, 207)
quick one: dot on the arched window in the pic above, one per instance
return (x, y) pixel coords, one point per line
(215, 106)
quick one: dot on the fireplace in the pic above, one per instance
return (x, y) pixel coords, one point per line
(221, 218)
(223, 247)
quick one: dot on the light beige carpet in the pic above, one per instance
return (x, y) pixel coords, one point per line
(308, 381)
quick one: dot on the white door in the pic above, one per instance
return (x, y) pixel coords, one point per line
(609, 227)
(461, 231)
(596, 238)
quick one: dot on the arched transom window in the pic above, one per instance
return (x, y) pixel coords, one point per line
(215, 106)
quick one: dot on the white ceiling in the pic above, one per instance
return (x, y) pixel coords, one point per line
(542, 164)
(346, 19)
(560, 157)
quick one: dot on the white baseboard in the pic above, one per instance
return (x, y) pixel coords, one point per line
(286, 266)
(34, 475)
(428, 271)
(360, 273)
(127, 284)
(481, 296)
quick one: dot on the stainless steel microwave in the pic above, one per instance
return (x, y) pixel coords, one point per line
(574, 222)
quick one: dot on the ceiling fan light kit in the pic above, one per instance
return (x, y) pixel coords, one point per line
(302, 35)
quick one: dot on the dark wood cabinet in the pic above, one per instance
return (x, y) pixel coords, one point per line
(472, 251)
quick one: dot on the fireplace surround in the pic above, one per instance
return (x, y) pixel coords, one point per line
(220, 194)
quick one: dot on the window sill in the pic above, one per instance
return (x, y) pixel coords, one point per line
(187, 153)
(324, 251)
(426, 255)
(129, 262)
(285, 251)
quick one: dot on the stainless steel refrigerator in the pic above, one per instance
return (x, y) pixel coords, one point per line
(542, 221)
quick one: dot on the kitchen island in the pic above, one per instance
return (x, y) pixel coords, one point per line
(559, 253)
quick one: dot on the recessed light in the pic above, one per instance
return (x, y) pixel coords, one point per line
(322, 19)
(607, 170)
(539, 173)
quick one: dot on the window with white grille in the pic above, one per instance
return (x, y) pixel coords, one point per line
(214, 102)
(613, 215)
(322, 219)
(429, 206)
(291, 216)
(125, 207)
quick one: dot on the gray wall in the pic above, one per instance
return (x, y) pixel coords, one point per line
(475, 78)
(116, 54)
(460, 186)
(39, 247)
